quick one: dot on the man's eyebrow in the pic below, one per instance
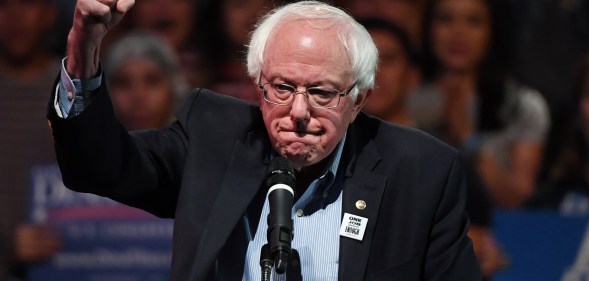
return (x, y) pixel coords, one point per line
(282, 79)
(318, 84)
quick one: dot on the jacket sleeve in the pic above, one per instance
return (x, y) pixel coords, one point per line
(96, 154)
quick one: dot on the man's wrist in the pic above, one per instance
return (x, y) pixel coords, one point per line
(85, 57)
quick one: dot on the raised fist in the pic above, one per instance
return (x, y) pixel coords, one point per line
(92, 20)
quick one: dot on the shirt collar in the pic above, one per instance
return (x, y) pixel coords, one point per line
(322, 191)
(335, 161)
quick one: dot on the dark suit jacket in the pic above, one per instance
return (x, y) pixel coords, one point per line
(206, 172)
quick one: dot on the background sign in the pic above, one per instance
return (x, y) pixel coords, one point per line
(103, 240)
(543, 245)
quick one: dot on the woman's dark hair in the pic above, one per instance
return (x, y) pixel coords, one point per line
(494, 69)
(394, 30)
(213, 39)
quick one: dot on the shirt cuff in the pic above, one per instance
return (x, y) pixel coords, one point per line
(74, 94)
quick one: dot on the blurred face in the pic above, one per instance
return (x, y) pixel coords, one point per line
(303, 56)
(22, 26)
(405, 13)
(461, 31)
(141, 94)
(240, 16)
(170, 19)
(393, 78)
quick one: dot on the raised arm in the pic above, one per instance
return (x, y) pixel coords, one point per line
(95, 152)
(92, 20)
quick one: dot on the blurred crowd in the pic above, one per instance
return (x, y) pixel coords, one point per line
(504, 81)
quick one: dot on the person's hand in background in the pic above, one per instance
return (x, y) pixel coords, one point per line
(36, 242)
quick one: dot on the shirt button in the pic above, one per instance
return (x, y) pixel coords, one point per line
(300, 213)
(70, 95)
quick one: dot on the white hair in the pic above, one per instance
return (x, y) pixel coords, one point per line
(352, 35)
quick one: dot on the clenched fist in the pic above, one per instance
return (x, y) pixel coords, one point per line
(92, 20)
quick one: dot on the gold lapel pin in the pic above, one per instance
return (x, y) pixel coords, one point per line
(360, 205)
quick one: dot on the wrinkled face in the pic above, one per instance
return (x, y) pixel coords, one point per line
(393, 78)
(304, 56)
(141, 94)
(22, 26)
(169, 19)
(461, 31)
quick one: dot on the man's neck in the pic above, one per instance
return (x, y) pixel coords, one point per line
(308, 174)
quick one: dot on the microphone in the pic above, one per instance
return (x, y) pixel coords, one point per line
(280, 181)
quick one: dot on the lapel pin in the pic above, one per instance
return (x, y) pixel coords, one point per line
(360, 204)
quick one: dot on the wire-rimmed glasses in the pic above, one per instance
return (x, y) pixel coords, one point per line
(318, 97)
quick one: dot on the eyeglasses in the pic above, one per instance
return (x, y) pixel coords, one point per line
(283, 94)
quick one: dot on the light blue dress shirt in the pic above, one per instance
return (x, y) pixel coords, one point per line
(317, 218)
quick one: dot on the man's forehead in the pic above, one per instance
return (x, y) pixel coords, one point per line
(305, 36)
(302, 24)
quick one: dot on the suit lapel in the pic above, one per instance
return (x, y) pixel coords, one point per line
(241, 182)
(361, 184)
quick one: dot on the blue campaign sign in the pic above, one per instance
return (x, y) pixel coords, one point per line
(103, 240)
(543, 245)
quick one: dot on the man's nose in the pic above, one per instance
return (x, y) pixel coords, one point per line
(300, 107)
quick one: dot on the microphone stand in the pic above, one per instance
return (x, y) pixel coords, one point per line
(266, 262)
(293, 271)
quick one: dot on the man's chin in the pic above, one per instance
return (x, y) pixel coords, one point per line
(299, 160)
(299, 154)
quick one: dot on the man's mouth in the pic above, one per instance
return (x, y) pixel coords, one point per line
(301, 133)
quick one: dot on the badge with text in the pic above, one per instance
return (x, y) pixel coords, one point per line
(353, 226)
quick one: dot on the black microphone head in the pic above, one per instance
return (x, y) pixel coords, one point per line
(280, 171)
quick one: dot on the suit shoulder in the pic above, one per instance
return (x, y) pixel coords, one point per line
(208, 107)
(407, 157)
(203, 98)
(393, 140)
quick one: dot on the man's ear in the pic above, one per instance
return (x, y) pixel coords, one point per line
(357, 107)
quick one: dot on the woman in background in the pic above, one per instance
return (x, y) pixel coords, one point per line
(470, 101)
(145, 81)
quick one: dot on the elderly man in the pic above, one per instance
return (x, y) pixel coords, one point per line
(314, 66)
